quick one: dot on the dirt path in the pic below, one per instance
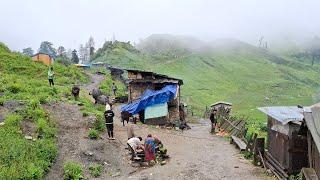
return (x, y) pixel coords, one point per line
(195, 154)
(74, 145)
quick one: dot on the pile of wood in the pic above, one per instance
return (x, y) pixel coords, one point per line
(275, 167)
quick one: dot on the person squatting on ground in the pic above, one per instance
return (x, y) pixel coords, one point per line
(161, 151)
(50, 76)
(75, 92)
(135, 146)
(213, 120)
(135, 143)
(109, 114)
(149, 149)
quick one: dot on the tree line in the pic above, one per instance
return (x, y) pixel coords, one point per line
(83, 55)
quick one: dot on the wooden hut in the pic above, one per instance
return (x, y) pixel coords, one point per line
(286, 148)
(223, 108)
(140, 81)
(43, 57)
(312, 119)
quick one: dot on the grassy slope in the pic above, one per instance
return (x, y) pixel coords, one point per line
(26, 81)
(243, 79)
(236, 72)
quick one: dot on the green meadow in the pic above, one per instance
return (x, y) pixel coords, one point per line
(232, 71)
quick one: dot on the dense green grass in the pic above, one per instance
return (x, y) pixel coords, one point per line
(72, 171)
(105, 86)
(25, 81)
(236, 72)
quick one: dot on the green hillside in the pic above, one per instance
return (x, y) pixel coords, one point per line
(228, 70)
(24, 85)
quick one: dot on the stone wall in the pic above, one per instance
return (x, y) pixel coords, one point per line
(135, 91)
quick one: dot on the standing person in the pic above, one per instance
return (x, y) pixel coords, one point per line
(108, 115)
(114, 89)
(213, 119)
(50, 76)
(149, 148)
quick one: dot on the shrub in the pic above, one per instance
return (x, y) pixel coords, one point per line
(13, 120)
(85, 113)
(72, 170)
(14, 88)
(44, 129)
(34, 104)
(95, 170)
(99, 124)
(93, 134)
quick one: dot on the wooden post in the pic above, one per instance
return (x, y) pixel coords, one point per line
(258, 148)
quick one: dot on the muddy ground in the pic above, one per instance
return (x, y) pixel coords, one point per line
(195, 154)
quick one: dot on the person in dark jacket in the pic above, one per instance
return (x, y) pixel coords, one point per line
(213, 120)
(109, 114)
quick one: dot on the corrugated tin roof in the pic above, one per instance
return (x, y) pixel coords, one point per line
(313, 122)
(221, 102)
(156, 74)
(284, 114)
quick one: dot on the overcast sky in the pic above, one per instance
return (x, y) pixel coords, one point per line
(26, 23)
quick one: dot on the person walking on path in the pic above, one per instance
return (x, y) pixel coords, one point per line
(50, 76)
(213, 120)
(109, 114)
(114, 89)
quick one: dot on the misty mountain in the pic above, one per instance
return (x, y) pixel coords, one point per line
(224, 69)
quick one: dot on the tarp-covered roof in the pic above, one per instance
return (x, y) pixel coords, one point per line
(313, 122)
(284, 114)
(151, 97)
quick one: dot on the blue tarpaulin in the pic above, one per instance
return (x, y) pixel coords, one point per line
(151, 97)
(158, 110)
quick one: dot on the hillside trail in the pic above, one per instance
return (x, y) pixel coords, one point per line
(74, 144)
(194, 154)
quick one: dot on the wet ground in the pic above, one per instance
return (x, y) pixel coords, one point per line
(195, 154)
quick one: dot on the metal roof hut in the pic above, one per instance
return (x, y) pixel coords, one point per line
(312, 119)
(223, 108)
(287, 149)
(148, 89)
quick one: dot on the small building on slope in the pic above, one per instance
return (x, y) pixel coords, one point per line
(287, 148)
(155, 97)
(312, 119)
(44, 58)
